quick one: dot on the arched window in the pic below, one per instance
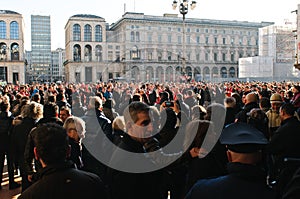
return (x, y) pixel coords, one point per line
(14, 30)
(76, 32)
(232, 72)
(215, 72)
(87, 33)
(98, 33)
(197, 74)
(76, 53)
(3, 51)
(149, 74)
(160, 74)
(135, 73)
(15, 52)
(2, 30)
(169, 74)
(206, 73)
(223, 72)
(188, 71)
(98, 53)
(88, 53)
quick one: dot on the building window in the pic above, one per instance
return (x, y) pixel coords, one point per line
(15, 54)
(232, 41)
(76, 53)
(232, 57)
(110, 55)
(224, 40)
(188, 30)
(159, 38)
(149, 55)
(3, 51)
(197, 30)
(240, 41)
(118, 57)
(216, 40)
(88, 53)
(14, 30)
(179, 39)
(169, 38)
(198, 57)
(179, 29)
(132, 36)
(188, 39)
(224, 57)
(215, 56)
(137, 36)
(206, 40)
(169, 29)
(76, 32)
(77, 77)
(149, 27)
(198, 39)
(206, 56)
(98, 33)
(2, 30)
(169, 56)
(159, 56)
(98, 53)
(149, 38)
(135, 53)
(87, 33)
(206, 30)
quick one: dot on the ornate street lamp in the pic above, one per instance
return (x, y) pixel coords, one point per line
(183, 9)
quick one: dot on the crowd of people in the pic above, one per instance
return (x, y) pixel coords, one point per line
(214, 140)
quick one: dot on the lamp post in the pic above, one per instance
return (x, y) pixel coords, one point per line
(183, 9)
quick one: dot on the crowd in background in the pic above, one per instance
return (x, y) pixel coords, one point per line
(273, 108)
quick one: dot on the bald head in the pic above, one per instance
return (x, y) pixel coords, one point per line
(251, 97)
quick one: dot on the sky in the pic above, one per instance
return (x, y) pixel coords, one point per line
(61, 10)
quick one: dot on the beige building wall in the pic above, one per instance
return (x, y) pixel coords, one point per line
(15, 68)
(141, 47)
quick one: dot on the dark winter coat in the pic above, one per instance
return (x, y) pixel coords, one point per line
(63, 181)
(243, 181)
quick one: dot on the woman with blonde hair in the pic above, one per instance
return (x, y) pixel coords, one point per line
(75, 128)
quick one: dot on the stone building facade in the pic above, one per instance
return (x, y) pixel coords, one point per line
(12, 68)
(141, 47)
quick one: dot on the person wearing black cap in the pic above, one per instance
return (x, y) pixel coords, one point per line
(246, 177)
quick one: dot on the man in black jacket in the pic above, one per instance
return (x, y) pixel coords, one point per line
(5, 143)
(126, 182)
(284, 145)
(58, 177)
